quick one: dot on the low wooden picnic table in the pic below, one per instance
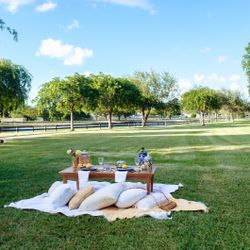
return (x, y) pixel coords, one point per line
(144, 175)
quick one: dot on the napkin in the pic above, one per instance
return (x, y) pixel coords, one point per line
(120, 176)
(83, 176)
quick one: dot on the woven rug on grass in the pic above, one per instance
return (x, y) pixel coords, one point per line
(113, 213)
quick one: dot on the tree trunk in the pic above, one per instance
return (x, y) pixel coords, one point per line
(119, 117)
(143, 123)
(145, 117)
(202, 118)
(71, 121)
(110, 119)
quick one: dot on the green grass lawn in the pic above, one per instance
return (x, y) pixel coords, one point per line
(212, 162)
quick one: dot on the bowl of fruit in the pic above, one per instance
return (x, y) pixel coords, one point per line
(88, 167)
(122, 166)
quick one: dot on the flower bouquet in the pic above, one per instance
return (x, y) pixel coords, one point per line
(75, 157)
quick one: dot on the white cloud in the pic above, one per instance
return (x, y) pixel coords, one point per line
(73, 25)
(205, 50)
(234, 86)
(184, 84)
(199, 78)
(46, 6)
(68, 53)
(212, 78)
(142, 4)
(234, 78)
(221, 59)
(13, 5)
(87, 73)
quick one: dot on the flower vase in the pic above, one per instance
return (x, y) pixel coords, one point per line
(75, 162)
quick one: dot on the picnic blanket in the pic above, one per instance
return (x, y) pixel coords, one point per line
(41, 203)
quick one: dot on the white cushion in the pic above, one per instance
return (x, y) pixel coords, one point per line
(61, 195)
(150, 201)
(130, 197)
(54, 186)
(104, 197)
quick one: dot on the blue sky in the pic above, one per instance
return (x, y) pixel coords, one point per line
(199, 42)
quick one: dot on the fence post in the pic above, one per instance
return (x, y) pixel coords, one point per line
(100, 125)
(44, 128)
(16, 129)
(33, 129)
(56, 127)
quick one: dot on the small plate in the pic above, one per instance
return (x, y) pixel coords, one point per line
(93, 168)
(129, 168)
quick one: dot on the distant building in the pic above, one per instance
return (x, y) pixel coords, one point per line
(12, 120)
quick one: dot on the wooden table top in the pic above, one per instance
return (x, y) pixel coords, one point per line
(70, 170)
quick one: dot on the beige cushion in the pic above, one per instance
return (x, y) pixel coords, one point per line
(80, 196)
(104, 197)
(150, 201)
(129, 197)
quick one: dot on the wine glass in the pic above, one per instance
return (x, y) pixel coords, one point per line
(100, 161)
(137, 163)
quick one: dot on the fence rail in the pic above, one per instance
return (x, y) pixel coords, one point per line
(33, 128)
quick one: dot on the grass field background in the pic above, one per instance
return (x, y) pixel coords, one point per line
(212, 162)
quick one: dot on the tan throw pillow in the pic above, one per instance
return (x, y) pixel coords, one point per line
(104, 197)
(80, 196)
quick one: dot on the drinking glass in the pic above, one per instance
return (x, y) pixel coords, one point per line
(107, 168)
(100, 161)
(137, 163)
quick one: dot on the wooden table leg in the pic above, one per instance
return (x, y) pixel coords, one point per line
(149, 185)
(65, 180)
(77, 183)
(152, 183)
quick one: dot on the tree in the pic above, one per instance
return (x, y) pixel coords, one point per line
(15, 84)
(13, 32)
(171, 108)
(28, 112)
(67, 96)
(125, 112)
(155, 88)
(115, 93)
(232, 103)
(202, 100)
(246, 64)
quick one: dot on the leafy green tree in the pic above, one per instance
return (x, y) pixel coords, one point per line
(125, 112)
(246, 64)
(232, 103)
(171, 108)
(26, 111)
(15, 84)
(115, 93)
(155, 88)
(201, 100)
(13, 32)
(67, 96)
(47, 99)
